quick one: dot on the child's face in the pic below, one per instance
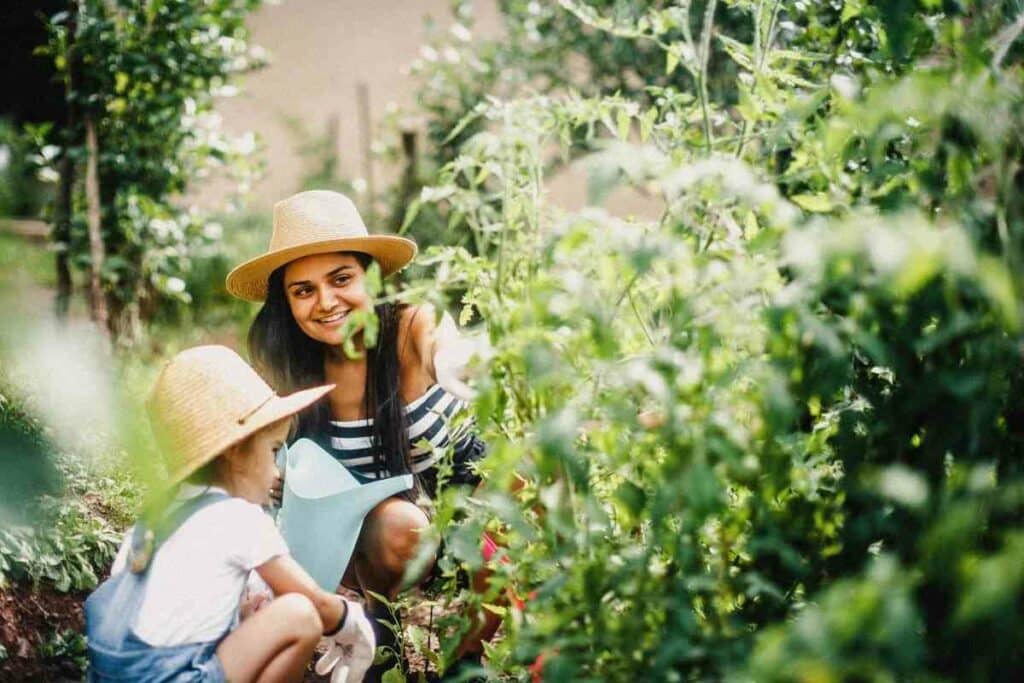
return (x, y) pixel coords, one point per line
(258, 472)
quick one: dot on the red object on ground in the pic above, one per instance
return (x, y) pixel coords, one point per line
(489, 547)
(537, 669)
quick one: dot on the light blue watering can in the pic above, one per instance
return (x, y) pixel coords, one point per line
(323, 508)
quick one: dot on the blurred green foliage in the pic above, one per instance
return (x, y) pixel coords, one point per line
(775, 434)
(22, 193)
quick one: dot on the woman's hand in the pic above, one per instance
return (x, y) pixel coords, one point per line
(453, 352)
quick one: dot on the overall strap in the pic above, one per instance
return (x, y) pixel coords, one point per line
(146, 540)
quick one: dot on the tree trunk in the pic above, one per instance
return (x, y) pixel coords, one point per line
(62, 214)
(97, 299)
(61, 236)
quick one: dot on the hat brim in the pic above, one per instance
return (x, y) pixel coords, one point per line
(278, 408)
(249, 280)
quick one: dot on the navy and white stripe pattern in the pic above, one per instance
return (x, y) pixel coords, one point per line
(351, 441)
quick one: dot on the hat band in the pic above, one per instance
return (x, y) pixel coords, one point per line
(255, 410)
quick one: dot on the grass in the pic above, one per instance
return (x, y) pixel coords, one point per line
(23, 261)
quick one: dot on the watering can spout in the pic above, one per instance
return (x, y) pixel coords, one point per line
(368, 496)
(323, 508)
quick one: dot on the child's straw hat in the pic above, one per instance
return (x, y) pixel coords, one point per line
(316, 222)
(206, 399)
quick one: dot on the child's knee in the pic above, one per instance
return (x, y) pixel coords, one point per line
(299, 616)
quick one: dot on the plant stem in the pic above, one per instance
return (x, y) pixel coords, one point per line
(705, 54)
(761, 50)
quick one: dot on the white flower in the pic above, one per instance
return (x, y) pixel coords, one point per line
(460, 32)
(258, 53)
(50, 152)
(428, 53)
(246, 144)
(175, 285)
(47, 175)
(227, 44)
(213, 231)
(163, 227)
(846, 86)
(359, 185)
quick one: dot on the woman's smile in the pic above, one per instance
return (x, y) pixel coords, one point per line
(333, 319)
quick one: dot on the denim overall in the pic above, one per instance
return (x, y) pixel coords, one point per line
(115, 652)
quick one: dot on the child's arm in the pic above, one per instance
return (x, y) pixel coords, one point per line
(284, 575)
(352, 642)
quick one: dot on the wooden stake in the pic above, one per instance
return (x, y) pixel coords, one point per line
(366, 142)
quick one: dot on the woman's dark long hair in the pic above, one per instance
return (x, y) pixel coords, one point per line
(291, 360)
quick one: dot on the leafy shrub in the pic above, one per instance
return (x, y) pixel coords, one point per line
(21, 193)
(51, 533)
(775, 434)
(70, 553)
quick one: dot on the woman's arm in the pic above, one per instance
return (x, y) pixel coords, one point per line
(420, 338)
(284, 575)
(441, 349)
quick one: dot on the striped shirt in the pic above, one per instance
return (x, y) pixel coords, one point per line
(351, 441)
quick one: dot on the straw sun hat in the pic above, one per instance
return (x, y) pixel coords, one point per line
(206, 399)
(316, 222)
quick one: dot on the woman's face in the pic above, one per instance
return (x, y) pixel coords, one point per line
(322, 290)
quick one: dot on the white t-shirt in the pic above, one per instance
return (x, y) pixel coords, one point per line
(197, 576)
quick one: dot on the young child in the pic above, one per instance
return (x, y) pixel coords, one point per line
(168, 612)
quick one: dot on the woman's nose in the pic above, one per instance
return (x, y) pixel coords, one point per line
(327, 298)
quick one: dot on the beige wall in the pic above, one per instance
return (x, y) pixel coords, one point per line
(320, 50)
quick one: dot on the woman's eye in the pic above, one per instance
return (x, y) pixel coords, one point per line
(341, 280)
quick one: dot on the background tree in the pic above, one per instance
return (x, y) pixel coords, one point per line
(144, 74)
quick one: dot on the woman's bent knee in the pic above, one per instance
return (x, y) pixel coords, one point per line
(393, 532)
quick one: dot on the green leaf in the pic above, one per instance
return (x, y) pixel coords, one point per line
(671, 59)
(815, 203)
(647, 123)
(623, 121)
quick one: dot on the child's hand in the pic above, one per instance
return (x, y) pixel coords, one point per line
(350, 650)
(251, 603)
(256, 595)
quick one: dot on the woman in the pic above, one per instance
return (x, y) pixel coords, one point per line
(391, 411)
